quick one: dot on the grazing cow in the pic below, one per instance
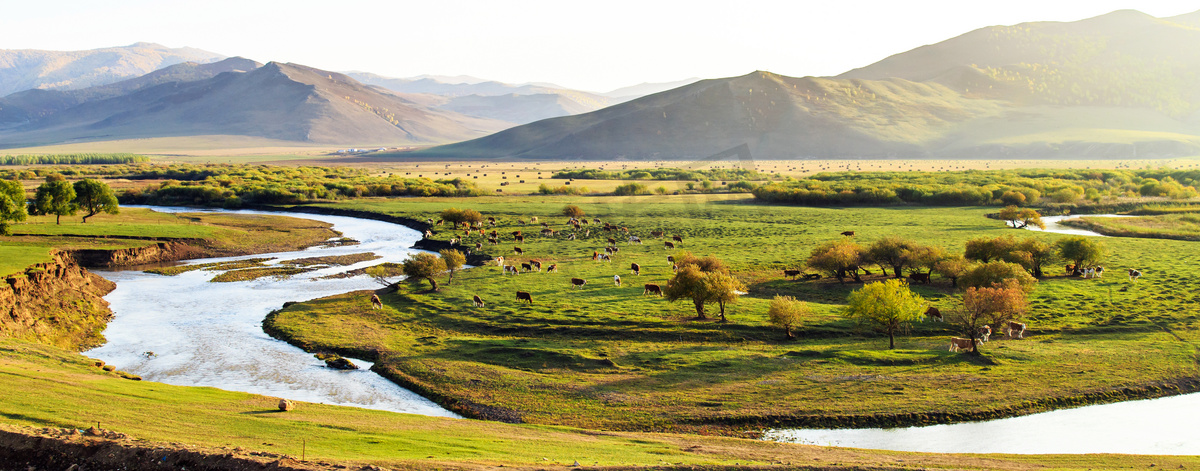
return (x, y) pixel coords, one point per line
(493, 234)
(545, 225)
(985, 332)
(481, 232)
(533, 219)
(518, 251)
(957, 344)
(674, 268)
(1016, 329)
(523, 296)
(656, 234)
(1070, 269)
(466, 233)
(848, 233)
(516, 233)
(612, 241)
(439, 222)
(527, 267)
(547, 232)
(596, 220)
(499, 261)
(651, 288)
(633, 239)
(453, 242)
(536, 265)
(478, 246)
(1089, 272)
(934, 314)
(578, 283)
(921, 277)
(671, 258)
(375, 302)
(519, 238)
(637, 269)
(615, 249)
(1134, 274)
(571, 236)
(553, 268)
(608, 250)
(478, 301)
(428, 234)
(429, 221)
(617, 280)
(1099, 272)
(812, 276)
(491, 220)
(511, 269)
(605, 257)
(493, 241)
(677, 239)
(521, 222)
(668, 245)
(791, 273)
(595, 255)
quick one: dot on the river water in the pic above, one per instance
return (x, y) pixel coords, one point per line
(210, 334)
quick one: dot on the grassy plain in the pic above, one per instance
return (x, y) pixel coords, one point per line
(607, 357)
(1165, 226)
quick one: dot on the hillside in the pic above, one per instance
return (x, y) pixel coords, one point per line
(1114, 86)
(277, 101)
(24, 69)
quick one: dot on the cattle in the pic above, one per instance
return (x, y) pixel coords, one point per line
(375, 302)
(920, 277)
(651, 288)
(516, 233)
(1134, 274)
(466, 233)
(985, 332)
(1070, 269)
(812, 276)
(595, 255)
(578, 283)
(611, 241)
(439, 222)
(523, 296)
(571, 237)
(545, 225)
(428, 234)
(617, 280)
(493, 241)
(481, 232)
(608, 250)
(493, 234)
(791, 273)
(553, 268)
(596, 220)
(519, 238)
(605, 258)
(934, 314)
(636, 269)
(533, 219)
(668, 245)
(1089, 272)
(453, 242)
(478, 301)
(478, 246)
(511, 269)
(536, 265)
(491, 220)
(671, 258)
(677, 239)
(848, 233)
(656, 234)
(527, 267)
(521, 222)
(1016, 329)
(1099, 272)
(615, 249)
(957, 344)
(547, 232)
(429, 221)
(518, 251)
(633, 239)
(674, 268)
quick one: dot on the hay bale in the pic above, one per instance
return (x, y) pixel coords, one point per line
(286, 405)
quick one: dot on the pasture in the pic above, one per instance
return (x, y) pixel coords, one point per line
(608, 357)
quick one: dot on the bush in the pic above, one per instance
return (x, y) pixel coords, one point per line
(631, 189)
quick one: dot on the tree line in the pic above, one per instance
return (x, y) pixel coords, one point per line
(72, 159)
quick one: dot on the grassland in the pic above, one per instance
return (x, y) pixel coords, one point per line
(607, 357)
(1166, 226)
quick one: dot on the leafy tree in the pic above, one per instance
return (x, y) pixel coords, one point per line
(1033, 254)
(631, 189)
(924, 256)
(994, 305)
(1013, 198)
(689, 283)
(703, 280)
(459, 216)
(424, 266)
(1081, 250)
(723, 289)
(1021, 218)
(840, 258)
(12, 204)
(453, 260)
(891, 251)
(95, 197)
(382, 272)
(997, 272)
(887, 305)
(953, 268)
(705, 264)
(787, 313)
(56, 197)
(573, 211)
(985, 250)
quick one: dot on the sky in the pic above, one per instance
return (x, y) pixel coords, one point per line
(595, 46)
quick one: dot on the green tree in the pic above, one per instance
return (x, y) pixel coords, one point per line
(453, 260)
(459, 216)
(12, 204)
(56, 197)
(840, 258)
(572, 211)
(985, 250)
(689, 283)
(384, 271)
(1020, 218)
(953, 268)
(891, 251)
(924, 256)
(95, 197)
(1083, 251)
(787, 313)
(703, 280)
(886, 305)
(1013, 198)
(1033, 254)
(424, 266)
(631, 189)
(997, 272)
(723, 289)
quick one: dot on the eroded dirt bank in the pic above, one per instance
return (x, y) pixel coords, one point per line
(58, 303)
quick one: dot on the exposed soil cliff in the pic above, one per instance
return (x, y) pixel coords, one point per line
(57, 303)
(159, 252)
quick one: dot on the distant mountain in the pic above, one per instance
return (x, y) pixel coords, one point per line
(276, 101)
(24, 69)
(647, 88)
(1122, 85)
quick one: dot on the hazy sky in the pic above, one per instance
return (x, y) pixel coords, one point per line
(592, 46)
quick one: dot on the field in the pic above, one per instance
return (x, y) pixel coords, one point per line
(607, 357)
(1166, 226)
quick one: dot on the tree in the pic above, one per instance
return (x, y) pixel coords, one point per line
(1033, 254)
(12, 204)
(703, 280)
(997, 272)
(1013, 198)
(953, 268)
(891, 251)
(887, 305)
(56, 197)
(787, 313)
(924, 256)
(453, 260)
(994, 305)
(1081, 250)
(424, 265)
(459, 216)
(985, 250)
(1020, 218)
(380, 273)
(95, 197)
(689, 283)
(840, 258)
(572, 211)
(723, 289)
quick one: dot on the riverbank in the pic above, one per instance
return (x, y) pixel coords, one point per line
(1165, 226)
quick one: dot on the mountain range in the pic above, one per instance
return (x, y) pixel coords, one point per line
(24, 69)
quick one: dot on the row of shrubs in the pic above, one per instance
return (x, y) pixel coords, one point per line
(72, 159)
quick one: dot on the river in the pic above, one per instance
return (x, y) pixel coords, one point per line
(210, 334)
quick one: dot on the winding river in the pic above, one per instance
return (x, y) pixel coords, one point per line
(210, 334)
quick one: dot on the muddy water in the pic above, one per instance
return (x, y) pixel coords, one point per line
(210, 334)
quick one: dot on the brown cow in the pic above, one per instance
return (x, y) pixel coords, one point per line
(519, 238)
(375, 302)
(612, 241)
(985, 332)
(571, 236)
(536, 265)
(920, 277)
(848, 233)
(439, 222)
(965, 345)
(677, 238)
(605, 257)
(553, 268)
(516, 233)
(511, 269)
(656, 234)
(1134, 274)
(478, 246)
(935, 314)
(578, 283)
(478, 301)
(791, 273)
(608, 250)
(1016, 329)
(668, 245)
(671, 258)
(518, 251)
(637, 269)
(429, 221)
(523, 296)
(533, 219)
(652, 289)
(1070, 268)
(527, 267)
(617, 280)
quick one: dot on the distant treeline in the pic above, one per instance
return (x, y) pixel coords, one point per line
(234, 185)
(663, 174)
(72, 159)
(977, 187)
